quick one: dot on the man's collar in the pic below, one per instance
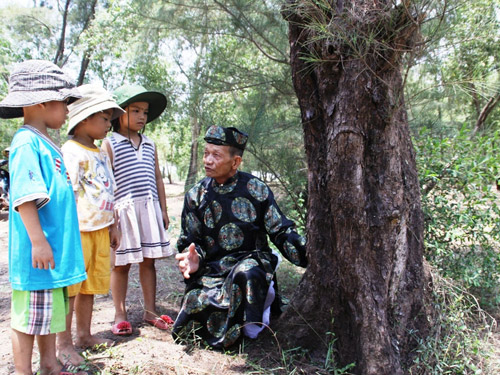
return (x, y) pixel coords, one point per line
(229, 181)
(228, 186)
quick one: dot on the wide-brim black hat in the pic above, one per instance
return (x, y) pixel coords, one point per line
(129, 94)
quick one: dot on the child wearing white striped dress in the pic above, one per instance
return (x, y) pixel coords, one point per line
(140, 204)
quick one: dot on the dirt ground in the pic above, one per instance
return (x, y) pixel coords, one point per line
(148, 350)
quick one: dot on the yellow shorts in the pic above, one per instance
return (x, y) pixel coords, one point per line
(96, 250)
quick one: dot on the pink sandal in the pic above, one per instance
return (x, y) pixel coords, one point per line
(162, 322)
(123, 328)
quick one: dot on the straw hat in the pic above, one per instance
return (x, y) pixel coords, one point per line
(33, 82)
(94, 99)
(129, 94)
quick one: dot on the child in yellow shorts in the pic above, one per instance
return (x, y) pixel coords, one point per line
(93, 184)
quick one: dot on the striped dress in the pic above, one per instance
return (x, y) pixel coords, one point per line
(136, 202)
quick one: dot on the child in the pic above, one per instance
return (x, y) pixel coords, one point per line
(140, 203)
(45, 252)
(93, 184)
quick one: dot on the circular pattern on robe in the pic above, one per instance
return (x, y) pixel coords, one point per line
(246, 265)
(209, 242)
(224, 189)
(230, 236)
(189, 330)
(211, 282)
(195, 195)
(193, 224)
(244, 210)
(213, 214)
(250, 291)
(292, 252)
(236, 297)
(258, 189)
(223, 296)
(227, 263)
(232, 335)
(272, 220)
(216, 324)
(195, 301)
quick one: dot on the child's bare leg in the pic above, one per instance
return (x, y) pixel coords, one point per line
(119, 285)
(22, 349)
(65, 350)
(84, 304)
(48, 359)
(147, 276)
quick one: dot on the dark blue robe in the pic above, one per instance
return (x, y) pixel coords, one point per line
(230, 224)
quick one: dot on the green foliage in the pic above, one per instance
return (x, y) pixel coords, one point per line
(459, 200)
(458, 72)
(456, 343)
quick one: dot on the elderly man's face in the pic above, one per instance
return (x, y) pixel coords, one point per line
(219, 164)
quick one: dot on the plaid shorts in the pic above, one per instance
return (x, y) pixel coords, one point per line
(39, 312)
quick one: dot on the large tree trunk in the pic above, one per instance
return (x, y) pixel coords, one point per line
(365, 280)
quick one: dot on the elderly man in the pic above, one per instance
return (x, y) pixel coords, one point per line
(224, 257)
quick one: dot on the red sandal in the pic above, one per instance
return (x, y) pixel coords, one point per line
(123, 328)
(162, 322)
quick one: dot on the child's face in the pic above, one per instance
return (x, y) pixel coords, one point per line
(55, 114)
(98, 125)
(135, 116)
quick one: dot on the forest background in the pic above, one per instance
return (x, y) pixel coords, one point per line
(227, 62)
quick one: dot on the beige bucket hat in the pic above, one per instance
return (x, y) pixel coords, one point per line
(94, 99)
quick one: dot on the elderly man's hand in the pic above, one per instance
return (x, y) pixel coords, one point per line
(189, 262)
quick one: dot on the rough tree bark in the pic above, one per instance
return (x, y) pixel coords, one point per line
(365, 281)
(196, 97)
(192, 175)
(87, 54)
(58, 58)
(485, 112)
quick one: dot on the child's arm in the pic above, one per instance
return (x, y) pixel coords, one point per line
(106, 147)
(114, 236)
(41, 252)
(160, 187)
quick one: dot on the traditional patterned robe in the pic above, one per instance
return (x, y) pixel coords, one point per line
(229, 224)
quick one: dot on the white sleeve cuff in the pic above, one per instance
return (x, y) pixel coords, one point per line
(41, 199)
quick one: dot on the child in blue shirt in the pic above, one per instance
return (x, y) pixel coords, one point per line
(45, 252)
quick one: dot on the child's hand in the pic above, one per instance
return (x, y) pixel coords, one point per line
(41, 252)
(41, 255)
(166, 220)
(114, 237)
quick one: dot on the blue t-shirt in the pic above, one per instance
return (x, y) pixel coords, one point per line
(38, 173)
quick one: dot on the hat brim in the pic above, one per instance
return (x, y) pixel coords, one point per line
(156, 100)
(13, 103)
(91, 110)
